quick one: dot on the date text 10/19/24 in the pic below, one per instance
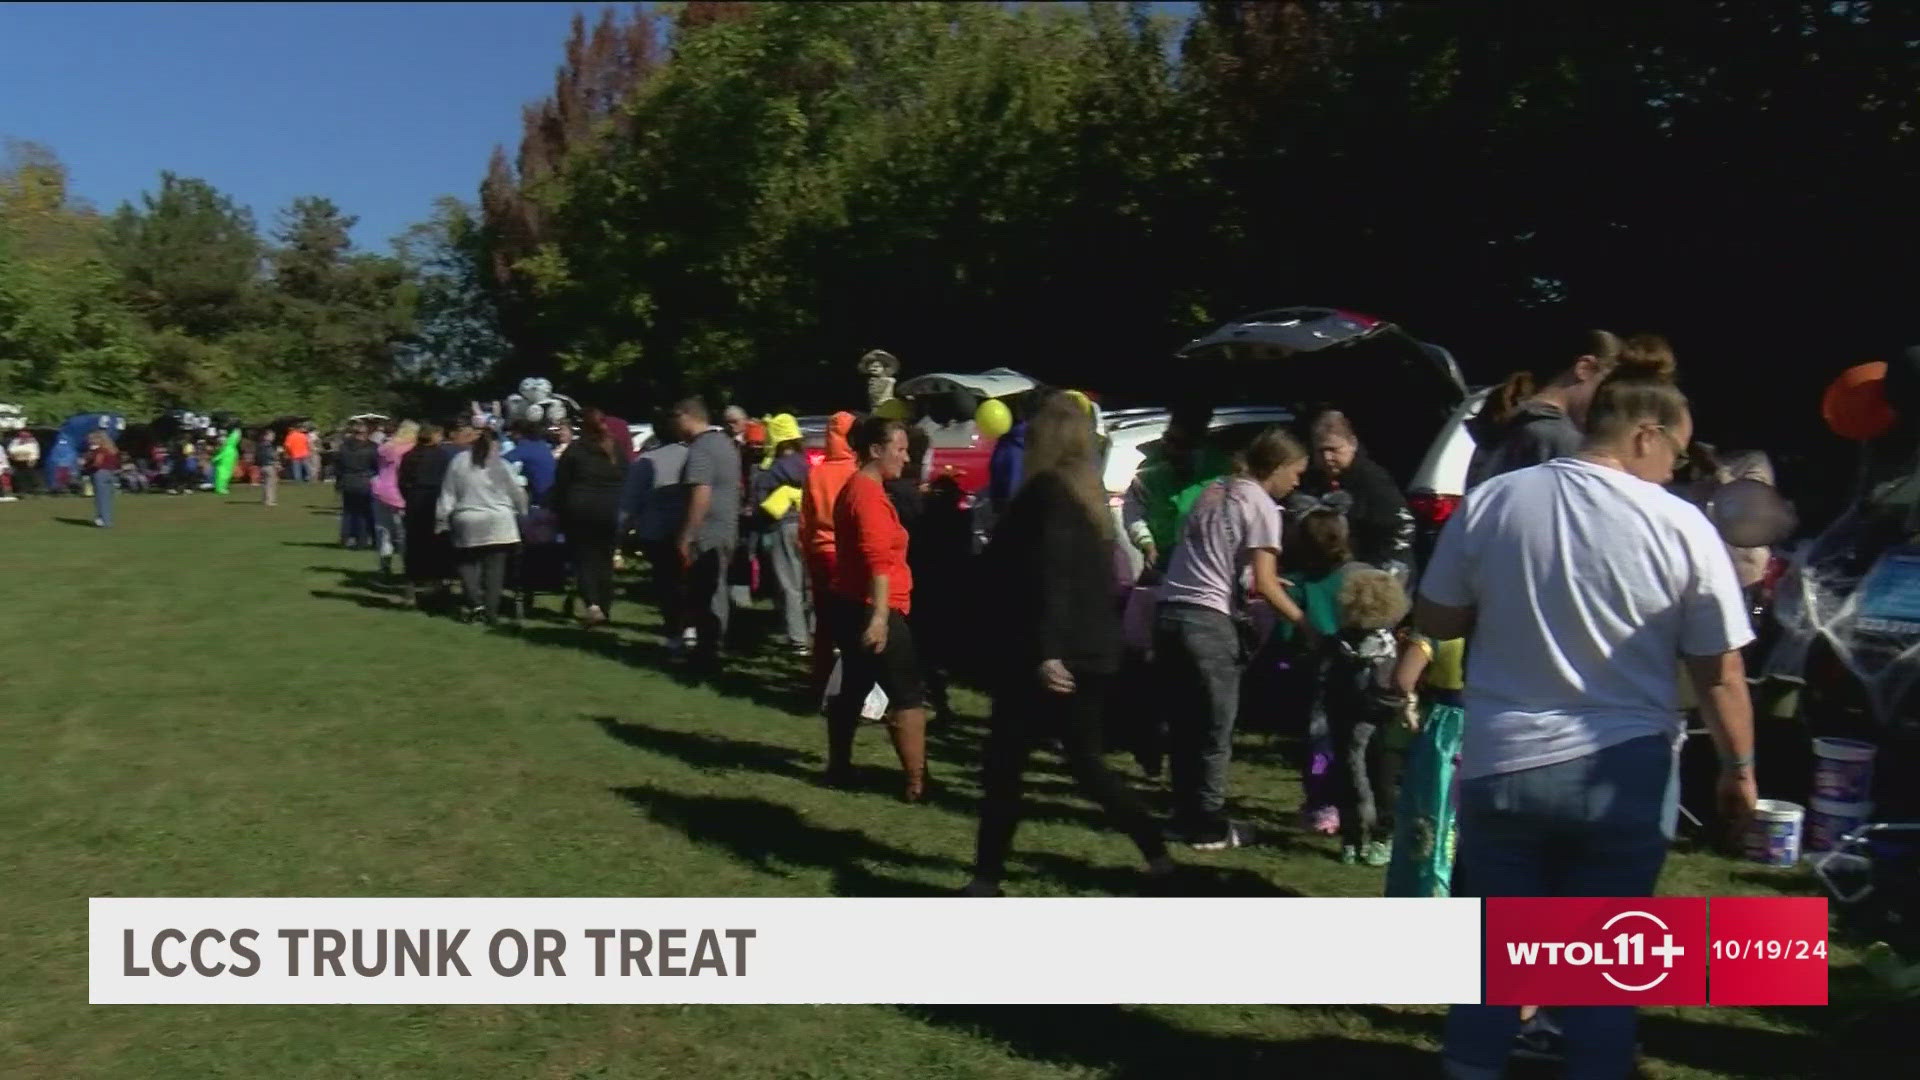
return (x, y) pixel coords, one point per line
(1769, 949)
(210, 953)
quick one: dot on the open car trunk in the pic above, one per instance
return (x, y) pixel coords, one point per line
(1398, 391)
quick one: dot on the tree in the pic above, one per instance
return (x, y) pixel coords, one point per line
(189, 257)
(458, 341)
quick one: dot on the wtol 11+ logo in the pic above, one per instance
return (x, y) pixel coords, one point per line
(1596, 951)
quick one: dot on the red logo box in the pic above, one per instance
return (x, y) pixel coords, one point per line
(1768, 950)
(1596, 951)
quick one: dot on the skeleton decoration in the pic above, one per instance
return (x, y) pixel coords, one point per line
(879, 367)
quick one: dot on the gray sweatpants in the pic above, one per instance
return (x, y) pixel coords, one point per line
(781, 548)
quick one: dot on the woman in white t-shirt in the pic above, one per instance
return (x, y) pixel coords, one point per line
(1230, 548)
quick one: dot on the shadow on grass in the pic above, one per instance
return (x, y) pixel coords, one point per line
(85, 522)
(375, 603)
(328, 544)
(713, 752)
(771, 838)
(1116, 1041)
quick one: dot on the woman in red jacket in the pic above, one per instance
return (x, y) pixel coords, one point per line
(867, 605)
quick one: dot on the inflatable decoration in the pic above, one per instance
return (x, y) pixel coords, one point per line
(225, 460)
(536, 402)
(993, 418)
(879, 367)
(62, 462)
(1855, 406)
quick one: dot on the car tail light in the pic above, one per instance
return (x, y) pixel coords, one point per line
(1433, 509)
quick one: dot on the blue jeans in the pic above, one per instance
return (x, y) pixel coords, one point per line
(302, 470)
(104, 482)
(1596, 826)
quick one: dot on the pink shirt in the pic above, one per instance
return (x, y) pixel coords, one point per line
(386, 482)
(1232, 519)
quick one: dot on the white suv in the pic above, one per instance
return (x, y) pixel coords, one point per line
(1133, 433)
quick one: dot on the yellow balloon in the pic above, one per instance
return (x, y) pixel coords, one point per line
(993, 419)
(891, 409)
(1086, 403)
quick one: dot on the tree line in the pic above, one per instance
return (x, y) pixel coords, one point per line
(741, 199)
(745, 197)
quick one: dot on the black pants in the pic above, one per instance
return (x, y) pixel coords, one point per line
(593, 570)
(1024, 713)
(708, 601)
(664, 558)
(356, 518)
(483, 575)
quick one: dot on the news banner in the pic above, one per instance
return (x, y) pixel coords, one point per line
(1052, 951)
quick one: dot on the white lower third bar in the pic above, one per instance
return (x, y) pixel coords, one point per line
(1057, 951)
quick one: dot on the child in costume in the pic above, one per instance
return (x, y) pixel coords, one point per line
(1317, 565)
(1424, 820)
(1354, 673)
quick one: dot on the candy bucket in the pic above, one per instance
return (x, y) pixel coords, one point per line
(1828, 822)
(1843, 770)
(1774, 836)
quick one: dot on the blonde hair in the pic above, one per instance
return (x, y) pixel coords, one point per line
(1060, 440)
(1371, 600)
(407, 432)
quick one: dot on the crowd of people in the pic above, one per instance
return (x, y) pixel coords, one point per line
(1501, 720)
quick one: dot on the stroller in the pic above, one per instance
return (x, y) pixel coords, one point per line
(541, 565)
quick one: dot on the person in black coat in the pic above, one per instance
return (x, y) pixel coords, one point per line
(1051, 565)
(586, 495)
(1342, 477)
(429, 554)
(355, 466)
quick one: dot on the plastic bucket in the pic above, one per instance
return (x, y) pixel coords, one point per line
(1828, 822)
(1843, 770)
(1774, 836)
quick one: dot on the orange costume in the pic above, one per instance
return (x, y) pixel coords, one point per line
(824, 483)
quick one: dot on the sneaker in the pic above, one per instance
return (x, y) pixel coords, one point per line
(1326, 820)
(99, 524)
(1349, 855)
(1378, 853)
(1233, 836)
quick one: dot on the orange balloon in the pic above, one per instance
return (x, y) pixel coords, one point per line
(1855, 406)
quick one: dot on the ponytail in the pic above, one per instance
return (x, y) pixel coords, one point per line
(482, 447)
(1506, 399)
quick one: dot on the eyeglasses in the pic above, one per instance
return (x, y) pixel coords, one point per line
(1681, 459)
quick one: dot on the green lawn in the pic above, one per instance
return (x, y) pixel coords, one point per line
(213, 699)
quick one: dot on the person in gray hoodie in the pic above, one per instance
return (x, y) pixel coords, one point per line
(1521, 426)
(480, 504)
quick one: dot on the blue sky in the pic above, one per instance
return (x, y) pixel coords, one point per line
(380, 107)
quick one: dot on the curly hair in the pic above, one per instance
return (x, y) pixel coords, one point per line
(1371, 600)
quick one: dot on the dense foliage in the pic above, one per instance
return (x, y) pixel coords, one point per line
(179, 302)
(743, 198)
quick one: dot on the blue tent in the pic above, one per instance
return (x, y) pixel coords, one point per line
(72, 438)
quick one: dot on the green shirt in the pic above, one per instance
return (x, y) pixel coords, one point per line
(1166, 496)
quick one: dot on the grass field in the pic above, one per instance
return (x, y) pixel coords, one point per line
(214, 699)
